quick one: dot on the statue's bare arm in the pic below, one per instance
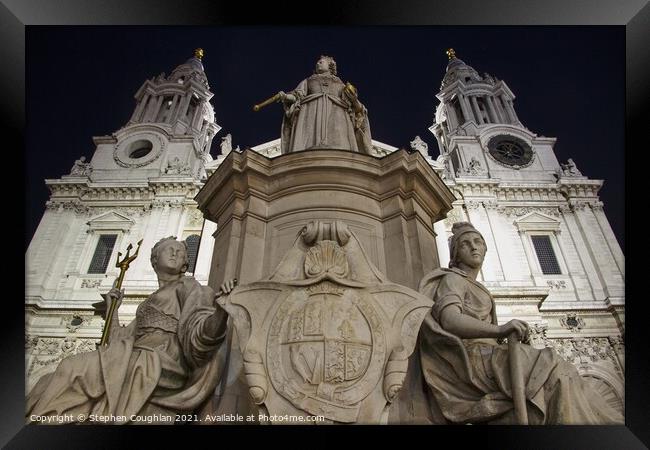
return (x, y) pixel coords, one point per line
(215, 325)
(467, 327)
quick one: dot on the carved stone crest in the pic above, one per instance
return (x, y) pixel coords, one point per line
(572, 322)
(326, 334)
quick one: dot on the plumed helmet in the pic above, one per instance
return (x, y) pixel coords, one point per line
(457, 230)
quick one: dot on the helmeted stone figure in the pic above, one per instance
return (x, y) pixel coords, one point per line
(467, 374)
(323, 112)
(168, 360)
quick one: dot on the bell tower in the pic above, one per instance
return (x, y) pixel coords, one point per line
(169, 133)
(552, 256)
(479, 133)
(139, 185)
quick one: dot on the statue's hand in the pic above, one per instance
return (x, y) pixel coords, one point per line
(518, 326)
(113, 296)
(351, 95)
(227, 287)
(353, 98)
(286, 98)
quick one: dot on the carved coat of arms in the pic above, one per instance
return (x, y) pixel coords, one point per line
(326, 334)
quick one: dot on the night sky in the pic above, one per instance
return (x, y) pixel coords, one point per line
(569, 83)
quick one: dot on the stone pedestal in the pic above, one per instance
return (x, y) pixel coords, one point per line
(260, 205)
(328, 247)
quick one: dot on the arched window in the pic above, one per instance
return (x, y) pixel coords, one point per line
(192, 242)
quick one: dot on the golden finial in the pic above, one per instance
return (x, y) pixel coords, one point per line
(198, 53)
(451, 53)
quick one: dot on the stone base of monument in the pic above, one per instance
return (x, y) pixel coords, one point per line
(328, 247)
(261, 204)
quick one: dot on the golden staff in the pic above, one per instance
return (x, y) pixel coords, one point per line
(124, 266)
(268, 101)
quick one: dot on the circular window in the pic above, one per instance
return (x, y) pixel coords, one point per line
(140, 149)
(510, 151)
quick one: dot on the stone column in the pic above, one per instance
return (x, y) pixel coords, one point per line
(59, 250)
(150, 109)
(506, 109)
(464, 106)
(184, 105)
(610, 238)
(584, 255)
(198, 115)
(206, 246)
(602, 258)
(442, 243)
(492, 270)
(176, 216)
(511, 108)
(174, 109)
(137, 114)
(40, 246)
(156, 110)
(477, 110)
(499, 108)
(162, 230)
(452, 120)
(492, 110)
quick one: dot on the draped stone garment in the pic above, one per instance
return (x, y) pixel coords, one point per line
(469, 379)
(322, 117)
(162, 363)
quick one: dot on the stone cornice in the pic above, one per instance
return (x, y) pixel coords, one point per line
(87, 190)
(252, 174)
(538, 192)
(97, 140)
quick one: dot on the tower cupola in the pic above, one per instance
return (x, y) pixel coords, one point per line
(470, 102)
(170, 131)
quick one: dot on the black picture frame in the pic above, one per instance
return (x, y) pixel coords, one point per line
(633, 15)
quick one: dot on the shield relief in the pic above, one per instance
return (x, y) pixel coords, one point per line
(332, 342)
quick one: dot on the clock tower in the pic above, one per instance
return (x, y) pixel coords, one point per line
(552, 257)
(139, 186)
(479, 133)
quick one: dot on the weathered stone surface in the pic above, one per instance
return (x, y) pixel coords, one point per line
(260, 204)
(326, 334)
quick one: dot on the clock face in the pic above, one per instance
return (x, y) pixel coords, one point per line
(510, 151)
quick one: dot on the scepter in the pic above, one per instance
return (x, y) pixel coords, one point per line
(266, 102)
(123, 266)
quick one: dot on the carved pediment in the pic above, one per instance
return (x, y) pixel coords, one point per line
(111, 220)
(537, 221)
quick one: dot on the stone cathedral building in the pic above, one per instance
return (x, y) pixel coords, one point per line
(552, 258)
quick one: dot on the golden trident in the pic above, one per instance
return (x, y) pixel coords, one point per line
(117, 284)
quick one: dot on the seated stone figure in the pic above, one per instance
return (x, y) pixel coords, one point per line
(165, 361)
(467, 372)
